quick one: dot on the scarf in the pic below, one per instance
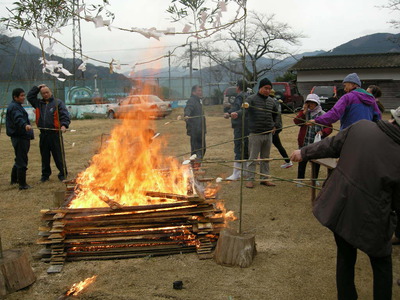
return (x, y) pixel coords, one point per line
(312, 114)
(392, 130)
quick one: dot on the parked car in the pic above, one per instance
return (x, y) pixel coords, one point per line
(285, 91)
(327, 95)
(139, 106)
(291, 98)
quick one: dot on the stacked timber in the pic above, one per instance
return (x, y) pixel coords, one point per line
(131, 231)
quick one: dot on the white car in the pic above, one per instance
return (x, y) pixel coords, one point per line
(140, 106)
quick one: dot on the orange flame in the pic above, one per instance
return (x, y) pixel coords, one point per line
(228, 216)
(211, 190)
(78, 287)
(128, 166)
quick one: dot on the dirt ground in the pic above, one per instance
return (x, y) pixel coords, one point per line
(296, 255)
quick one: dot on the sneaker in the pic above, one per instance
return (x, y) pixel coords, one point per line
(299, 184)
(287, 165)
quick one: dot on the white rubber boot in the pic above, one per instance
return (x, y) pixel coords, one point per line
(236, 171)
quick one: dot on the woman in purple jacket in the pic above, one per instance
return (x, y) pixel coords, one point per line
(357, 104)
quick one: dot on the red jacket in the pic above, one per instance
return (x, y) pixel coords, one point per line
(300, 121)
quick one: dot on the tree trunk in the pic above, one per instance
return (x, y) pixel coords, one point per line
(234, 249)
(15, 271)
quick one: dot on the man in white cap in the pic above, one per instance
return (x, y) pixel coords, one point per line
(357, 104)
(358, 200)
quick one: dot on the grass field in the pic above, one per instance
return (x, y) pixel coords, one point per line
(296, 255)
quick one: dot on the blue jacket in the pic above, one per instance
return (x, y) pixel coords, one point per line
(237, 107)
(352, 107)
(53, 114)
(16, 121)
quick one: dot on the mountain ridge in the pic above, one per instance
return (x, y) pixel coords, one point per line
(29, 68)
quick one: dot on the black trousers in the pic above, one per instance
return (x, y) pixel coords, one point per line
(278, 144)
(238, 140)
(397, 230)
(21, 148)
(346, 260)
(301, 169)
(50, 145)
(198, 145)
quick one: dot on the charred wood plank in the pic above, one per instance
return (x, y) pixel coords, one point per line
(133, 255)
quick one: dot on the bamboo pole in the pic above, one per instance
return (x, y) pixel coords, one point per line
(1, 249)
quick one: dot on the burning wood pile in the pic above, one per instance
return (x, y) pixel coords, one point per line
(132, 202)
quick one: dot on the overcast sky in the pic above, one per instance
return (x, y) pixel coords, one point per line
(326, 24)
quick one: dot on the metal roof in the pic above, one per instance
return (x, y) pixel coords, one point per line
(356, 61)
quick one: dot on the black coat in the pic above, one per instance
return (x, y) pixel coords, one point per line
(16, 121)
(263, 113)
(53, 114)
(196, 124)
(358, 199)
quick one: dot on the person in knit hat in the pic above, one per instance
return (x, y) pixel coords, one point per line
(311, 110)
(358, 199)
(357, 104)
(263, 121)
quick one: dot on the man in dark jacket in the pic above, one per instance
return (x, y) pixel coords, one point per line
(263, 121)
(196, 122)
(19, 129)
(358, 199)
(52, 118)
(240, 128)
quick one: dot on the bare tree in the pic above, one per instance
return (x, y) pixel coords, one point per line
(241, 50)
(394, 5)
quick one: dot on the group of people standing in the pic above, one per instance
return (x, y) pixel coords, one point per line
(52, 119)
(360, 201)
(257, 127)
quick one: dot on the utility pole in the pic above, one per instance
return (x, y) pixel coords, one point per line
(76, 39)
(190, 64)
(209, 85)
(169, 74)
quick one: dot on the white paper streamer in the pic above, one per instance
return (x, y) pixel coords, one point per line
(186, 28)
